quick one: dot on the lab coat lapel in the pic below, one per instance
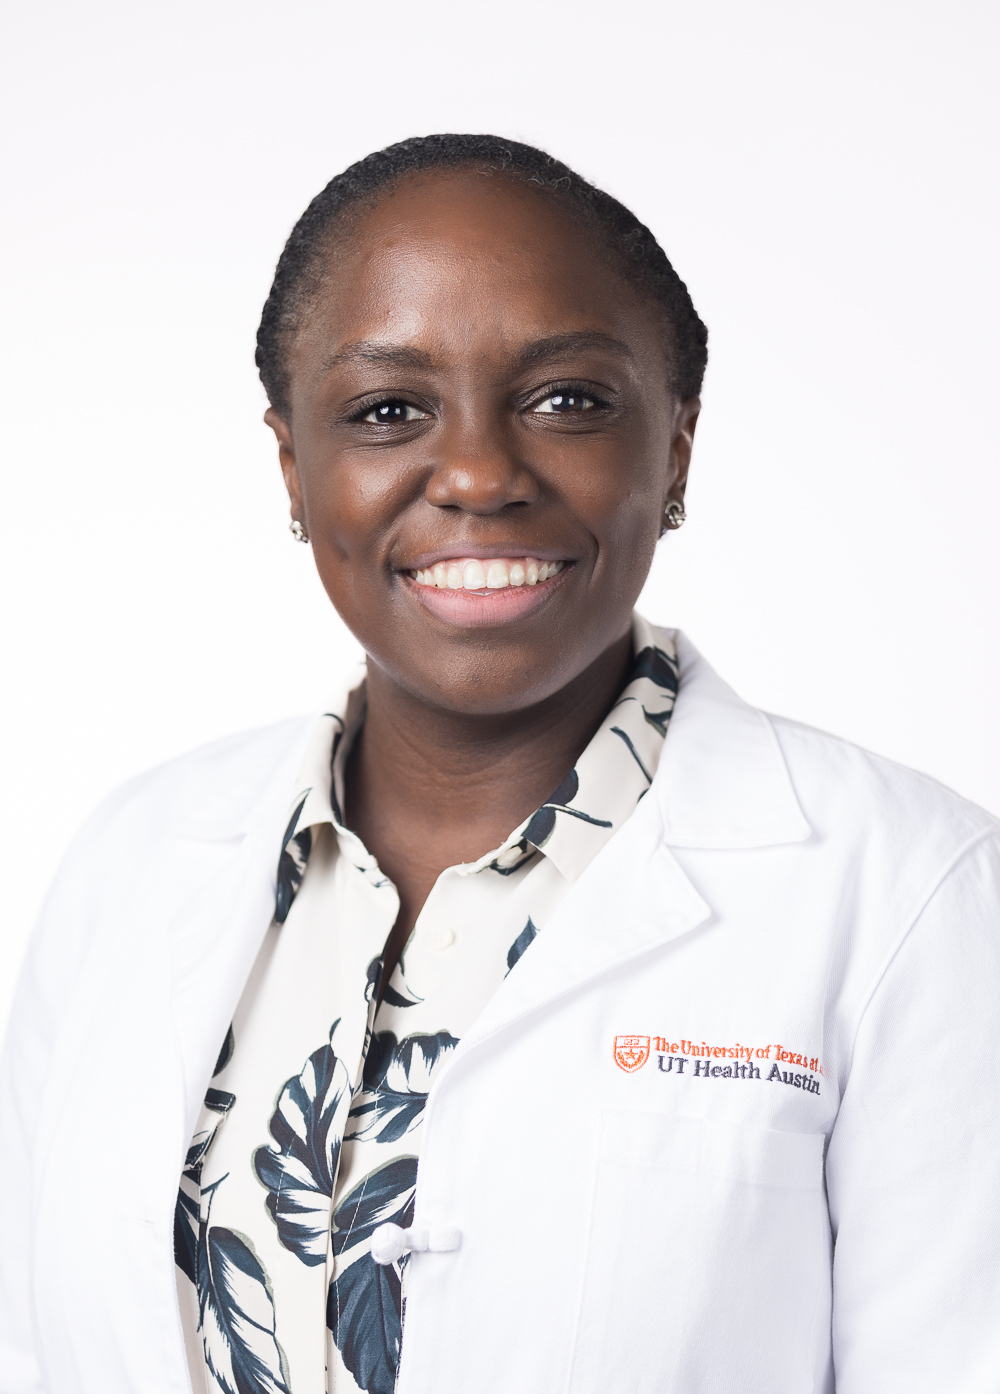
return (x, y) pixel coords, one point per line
(632, 899)
(216, 936)
(721, 782)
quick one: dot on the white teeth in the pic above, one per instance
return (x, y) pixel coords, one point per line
(496, 574)
(473, 576)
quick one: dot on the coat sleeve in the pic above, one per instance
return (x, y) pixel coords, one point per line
(913, 1166)
(56, 952)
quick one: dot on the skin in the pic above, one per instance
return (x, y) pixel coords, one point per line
(471, 301)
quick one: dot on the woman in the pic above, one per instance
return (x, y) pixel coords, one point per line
(692, 1051)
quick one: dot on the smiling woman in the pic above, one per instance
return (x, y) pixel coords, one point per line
(409, 1005)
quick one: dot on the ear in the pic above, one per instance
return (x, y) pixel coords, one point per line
(681, 446)
(286, 458)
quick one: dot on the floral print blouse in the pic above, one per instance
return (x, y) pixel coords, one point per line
(310, 1132)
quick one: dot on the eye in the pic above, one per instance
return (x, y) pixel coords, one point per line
(393, 414)
(562, 403)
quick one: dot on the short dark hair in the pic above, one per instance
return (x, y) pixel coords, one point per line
(635, 251)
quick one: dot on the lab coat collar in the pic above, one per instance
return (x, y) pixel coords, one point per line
(633, 899)
(721, 783)
(217, 931)
(722, 780)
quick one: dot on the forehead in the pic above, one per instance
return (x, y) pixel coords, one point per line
(464, 261)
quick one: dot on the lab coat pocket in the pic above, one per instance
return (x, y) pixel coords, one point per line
(708, 1259)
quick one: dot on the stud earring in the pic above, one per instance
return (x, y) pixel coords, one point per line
(674, 516)
(298, 531)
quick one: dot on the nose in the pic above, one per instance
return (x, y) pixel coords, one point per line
(480, 475)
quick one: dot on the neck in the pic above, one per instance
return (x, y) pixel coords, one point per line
(428, 787)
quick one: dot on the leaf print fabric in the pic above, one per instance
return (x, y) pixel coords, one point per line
(237, 1314)
(513, 859)
(540, 826)
(394, 996)
(187, 1210)
(627, 739)
(364, 1307)
(364, 1310)
(520, 944)
(308, 1127)
(226, 1053)
(310, 1135)
(396, 1082)
(295, 851)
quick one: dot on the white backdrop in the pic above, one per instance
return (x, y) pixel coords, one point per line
(823, 176)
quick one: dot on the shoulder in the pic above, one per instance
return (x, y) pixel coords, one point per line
(734, 776)
(835, 779)
(210, 792)
(153, 836)
(888, 843)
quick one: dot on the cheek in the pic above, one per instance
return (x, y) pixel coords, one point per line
(346, 514)
(351, 505)
(622, 508)
(628, 555)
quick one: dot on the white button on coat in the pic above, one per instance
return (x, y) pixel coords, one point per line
(390, 1242)
(441, 938)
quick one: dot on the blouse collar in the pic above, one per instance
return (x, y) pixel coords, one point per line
(595, 799)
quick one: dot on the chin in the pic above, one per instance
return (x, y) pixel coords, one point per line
(483, 677)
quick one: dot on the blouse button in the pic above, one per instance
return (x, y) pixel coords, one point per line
(442, 939)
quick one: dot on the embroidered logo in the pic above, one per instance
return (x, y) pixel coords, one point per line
(631, 1052)
(735, 1061)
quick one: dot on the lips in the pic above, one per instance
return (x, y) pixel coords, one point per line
(473, 591)
(478, 574)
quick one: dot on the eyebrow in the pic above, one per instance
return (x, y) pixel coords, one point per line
(559, 345)
(371, 351)
(402, 356)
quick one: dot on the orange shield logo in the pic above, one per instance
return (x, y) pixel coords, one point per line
(631, 1052)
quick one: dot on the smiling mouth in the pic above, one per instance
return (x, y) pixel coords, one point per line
(494, 574)
(473, 592)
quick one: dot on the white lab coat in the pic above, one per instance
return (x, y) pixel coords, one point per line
(623, 1231)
